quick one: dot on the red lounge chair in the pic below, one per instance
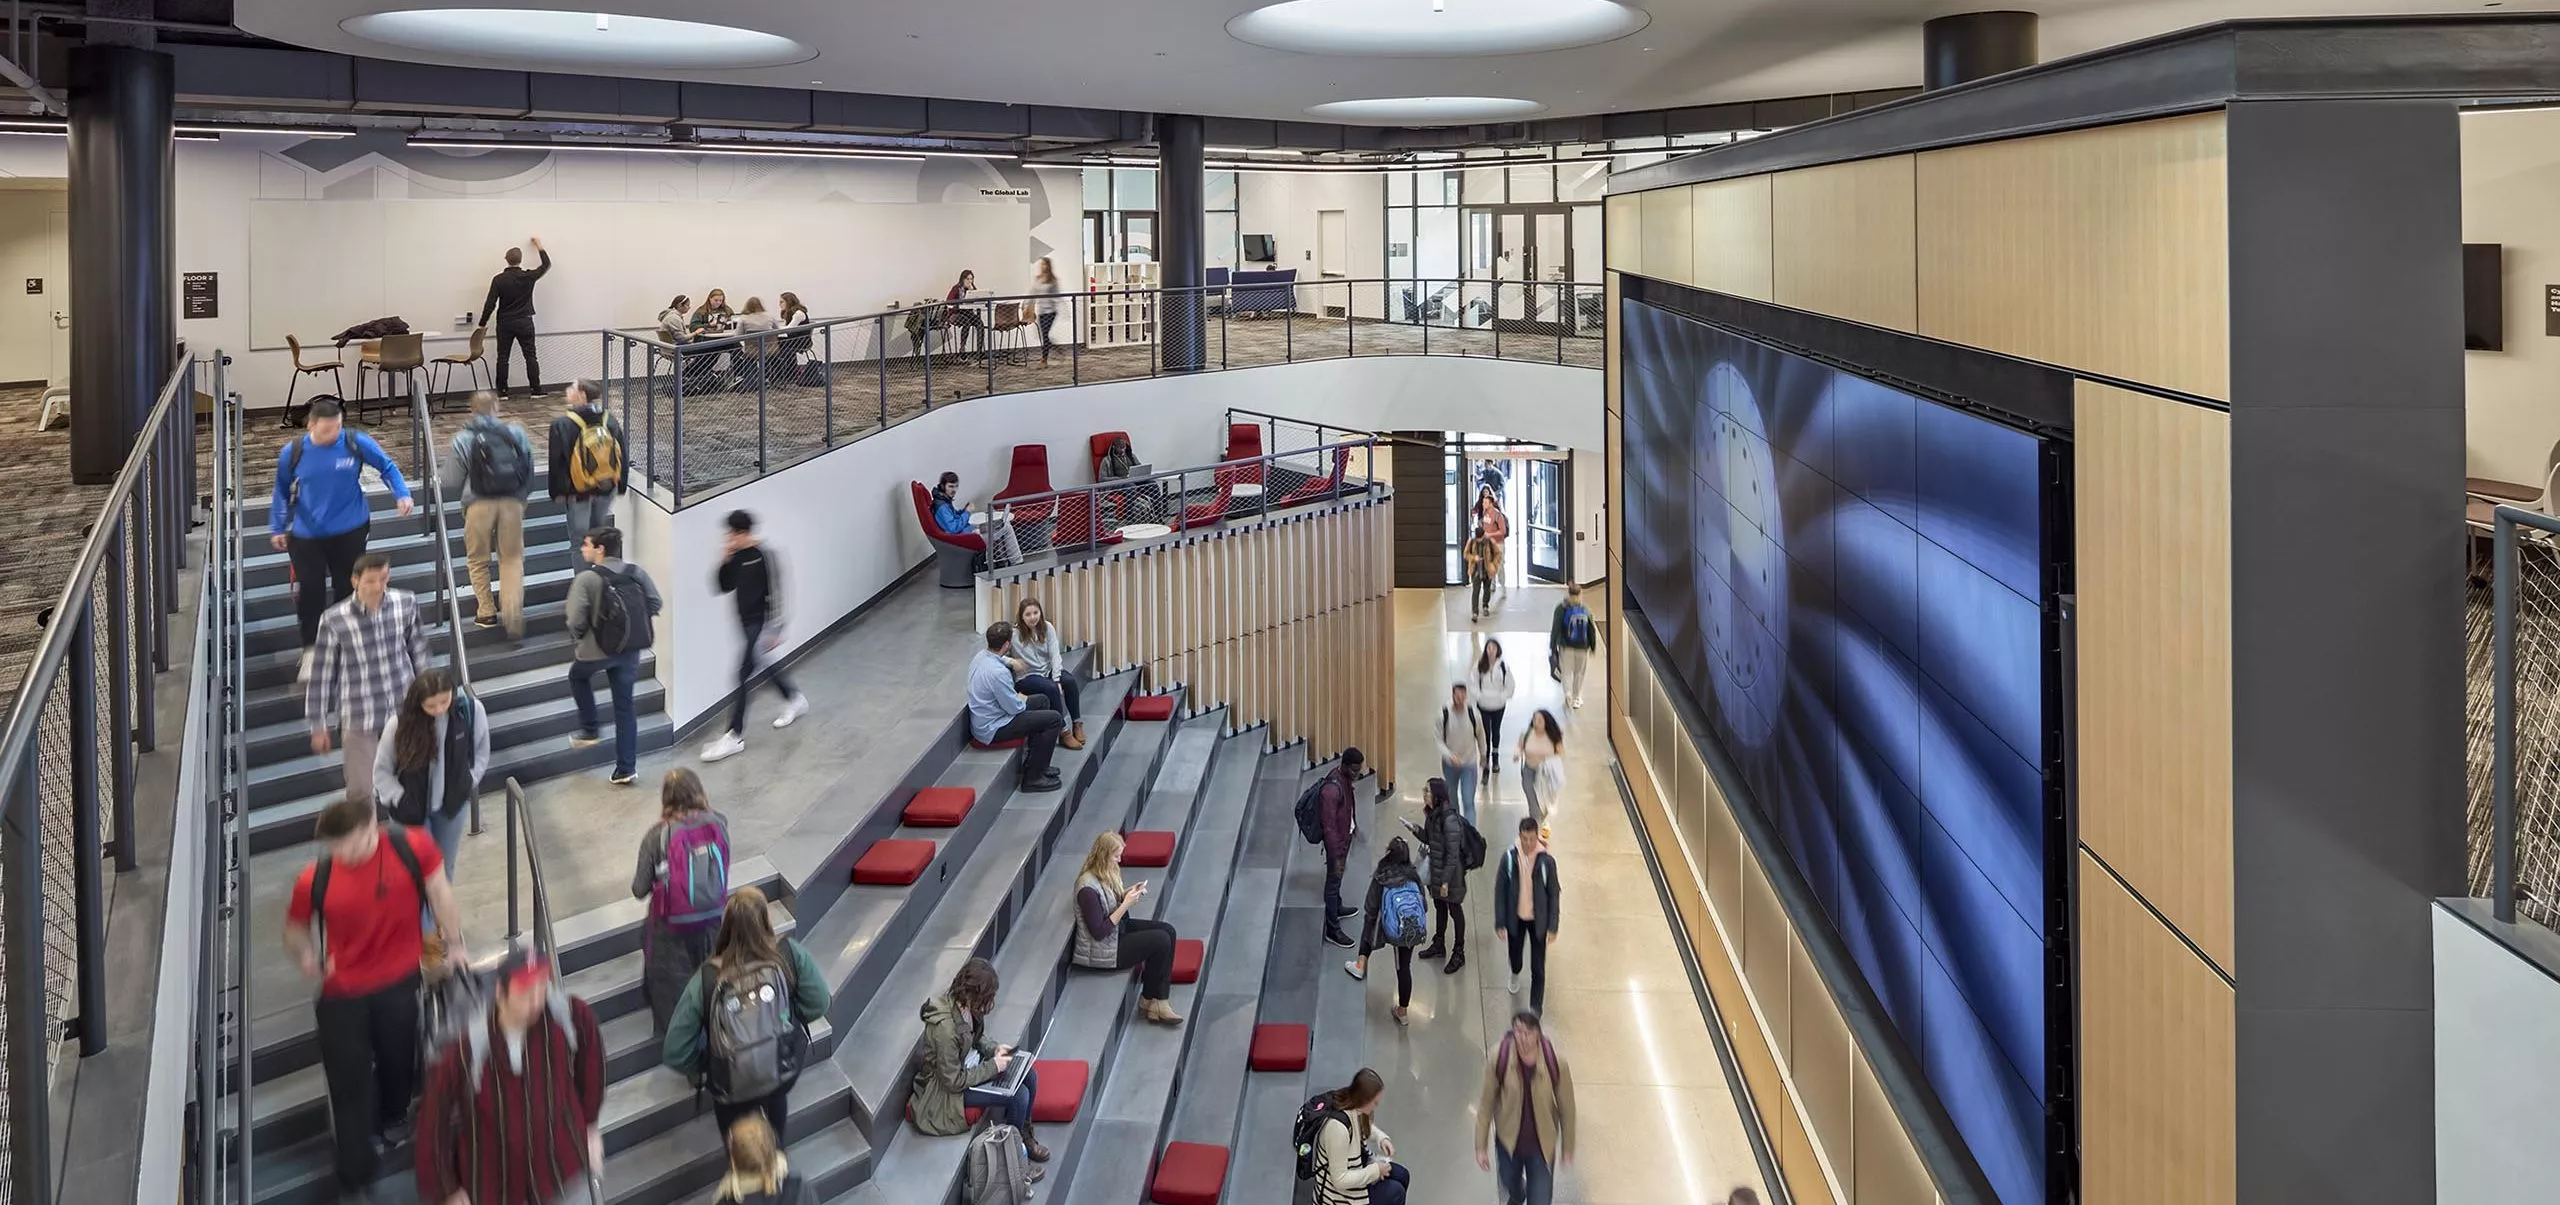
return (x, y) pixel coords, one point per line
(1029, 478)
(1317, 489)
(958, 555)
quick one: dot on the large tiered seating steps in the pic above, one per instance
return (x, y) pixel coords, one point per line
(1147, 1080)
(661, 1143)
(1065, 1014)
(988, 897)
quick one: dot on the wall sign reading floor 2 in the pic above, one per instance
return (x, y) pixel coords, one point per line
(1852, 582)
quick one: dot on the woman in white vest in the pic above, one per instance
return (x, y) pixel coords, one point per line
(1109, 939)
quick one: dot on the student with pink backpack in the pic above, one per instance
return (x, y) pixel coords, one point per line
(684, 874)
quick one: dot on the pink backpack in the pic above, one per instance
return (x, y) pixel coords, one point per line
(693, 883)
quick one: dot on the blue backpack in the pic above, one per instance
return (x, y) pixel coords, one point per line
(1577, 626)
(1403, 915)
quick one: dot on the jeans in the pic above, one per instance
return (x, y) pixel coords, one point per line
(585, 514)
(1148, 943)
(1526, 1179)
(618, 669)
(1332, 892)
(1038, 729)
(1046, 321)
(1532, 790)
(750, 652)
(776, 1109)
(448, 835)
(1391, 1189)
(493, 531)
(1014, 1109)
(1524, 932)
(1064, 694)
(369, 1056)
(320, 561)
(516, 334)
(1462, 779)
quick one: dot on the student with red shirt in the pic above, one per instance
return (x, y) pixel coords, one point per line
(512, 1108)
(364, 950)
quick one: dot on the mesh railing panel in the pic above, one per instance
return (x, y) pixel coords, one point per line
(2537, 667)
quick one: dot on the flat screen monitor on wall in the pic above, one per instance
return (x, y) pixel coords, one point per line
(2484, 308)
(1258, 249)
(1851, 582)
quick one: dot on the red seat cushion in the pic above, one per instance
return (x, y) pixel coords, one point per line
(1147, 847)
(894, 862)
(1148, 707)
(971, 1113)
(1061, 1092)
(1015, 743)
(1278, 1048)
(1188, 954)
(940, 807)
(1189, 1173)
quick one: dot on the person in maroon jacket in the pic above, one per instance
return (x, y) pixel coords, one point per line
(1336, 808)
(511, 1110)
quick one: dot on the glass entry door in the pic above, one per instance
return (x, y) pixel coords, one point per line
(1531, 253)
(1550, 483)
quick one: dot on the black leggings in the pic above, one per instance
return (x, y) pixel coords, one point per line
(1148, 943)
(1046, 321)
(1404, 969)
(1492, 733)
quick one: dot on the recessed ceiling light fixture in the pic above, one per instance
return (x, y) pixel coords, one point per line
(1426, 110)
(1429, 29)
(773, 150)
(569, 39)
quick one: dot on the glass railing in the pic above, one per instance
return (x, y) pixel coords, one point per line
(707, 409)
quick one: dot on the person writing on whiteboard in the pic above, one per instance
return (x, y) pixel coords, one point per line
(511, 299)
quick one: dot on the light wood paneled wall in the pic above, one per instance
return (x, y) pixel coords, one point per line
(1729, 247)
(2153, 545)
(2156, 1058)
(1666, 234)
(1287, 621)
(1844, 236)
(2104, 250)
(1622, 233)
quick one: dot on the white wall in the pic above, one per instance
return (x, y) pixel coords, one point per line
(2511, 195)
(841, 201)
(34, 244)
(1285, 207)
(845, 524)
(2497, 1024)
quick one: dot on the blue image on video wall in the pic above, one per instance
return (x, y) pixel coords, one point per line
(1849, 580)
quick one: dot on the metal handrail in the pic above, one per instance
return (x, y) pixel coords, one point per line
(520, 832)
(460, 654)
(1227, 477)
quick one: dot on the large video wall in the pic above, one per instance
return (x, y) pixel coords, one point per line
(1851, 583)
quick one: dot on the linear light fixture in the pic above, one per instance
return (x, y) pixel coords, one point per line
(465, 144)
(1250, 165)
(223, 129)
(55, 129)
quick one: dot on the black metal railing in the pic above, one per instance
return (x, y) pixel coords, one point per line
(525, 872)
(67, 772)
(1283, 434)
(219, 1160)
(1023, 527)
(448, 589)
(709, 409)
(2502, 686)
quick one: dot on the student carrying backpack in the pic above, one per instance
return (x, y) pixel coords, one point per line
(741, 1030)
(684, 875)
(1453, 847)
(595, 460)
(1399, 916)
(622, 613)
(499, 460)
(1572, 637)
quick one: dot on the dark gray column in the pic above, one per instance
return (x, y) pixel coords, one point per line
(1418, 469)
(2346, 661)
(122, 246)
(1969, 46)
(1182, 201)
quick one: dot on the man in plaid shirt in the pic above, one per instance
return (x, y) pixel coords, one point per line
(369, 647)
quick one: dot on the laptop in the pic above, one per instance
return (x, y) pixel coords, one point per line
(1011, 1081)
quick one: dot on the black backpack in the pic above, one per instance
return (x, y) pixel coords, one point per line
(622, 613)
(1470, 842)
(499, 463)
(1312, 1118)
(398, 838)
(1311, 811)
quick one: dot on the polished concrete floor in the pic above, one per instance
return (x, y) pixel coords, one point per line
(1661, 1123)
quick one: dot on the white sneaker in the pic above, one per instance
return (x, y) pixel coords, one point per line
(304, 674)
(1515, 983)
(792, 709)
(727, 744)
(1352, 968)
(1577, 702)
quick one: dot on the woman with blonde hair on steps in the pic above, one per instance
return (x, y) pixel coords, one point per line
(758, 1172)
(1107, 938)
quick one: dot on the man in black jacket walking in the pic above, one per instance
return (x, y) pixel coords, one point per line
(748, 573)
(511, 299)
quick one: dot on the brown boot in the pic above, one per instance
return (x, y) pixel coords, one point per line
(1031, 1144)
(1075, 736)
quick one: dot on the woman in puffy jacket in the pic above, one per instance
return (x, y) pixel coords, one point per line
(1394, 869)
(1444, 837)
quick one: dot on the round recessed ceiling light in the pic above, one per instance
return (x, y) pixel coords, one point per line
(577, 39)
(1435, 28)
(1426, 110)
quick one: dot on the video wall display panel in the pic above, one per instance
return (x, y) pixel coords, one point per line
(1851, 582)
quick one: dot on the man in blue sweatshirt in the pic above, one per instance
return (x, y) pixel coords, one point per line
(320, 515)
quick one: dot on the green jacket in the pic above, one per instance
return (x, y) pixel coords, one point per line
(685, 1040)
(949, 1035)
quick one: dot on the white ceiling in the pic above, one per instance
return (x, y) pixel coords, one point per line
(1176, 55)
